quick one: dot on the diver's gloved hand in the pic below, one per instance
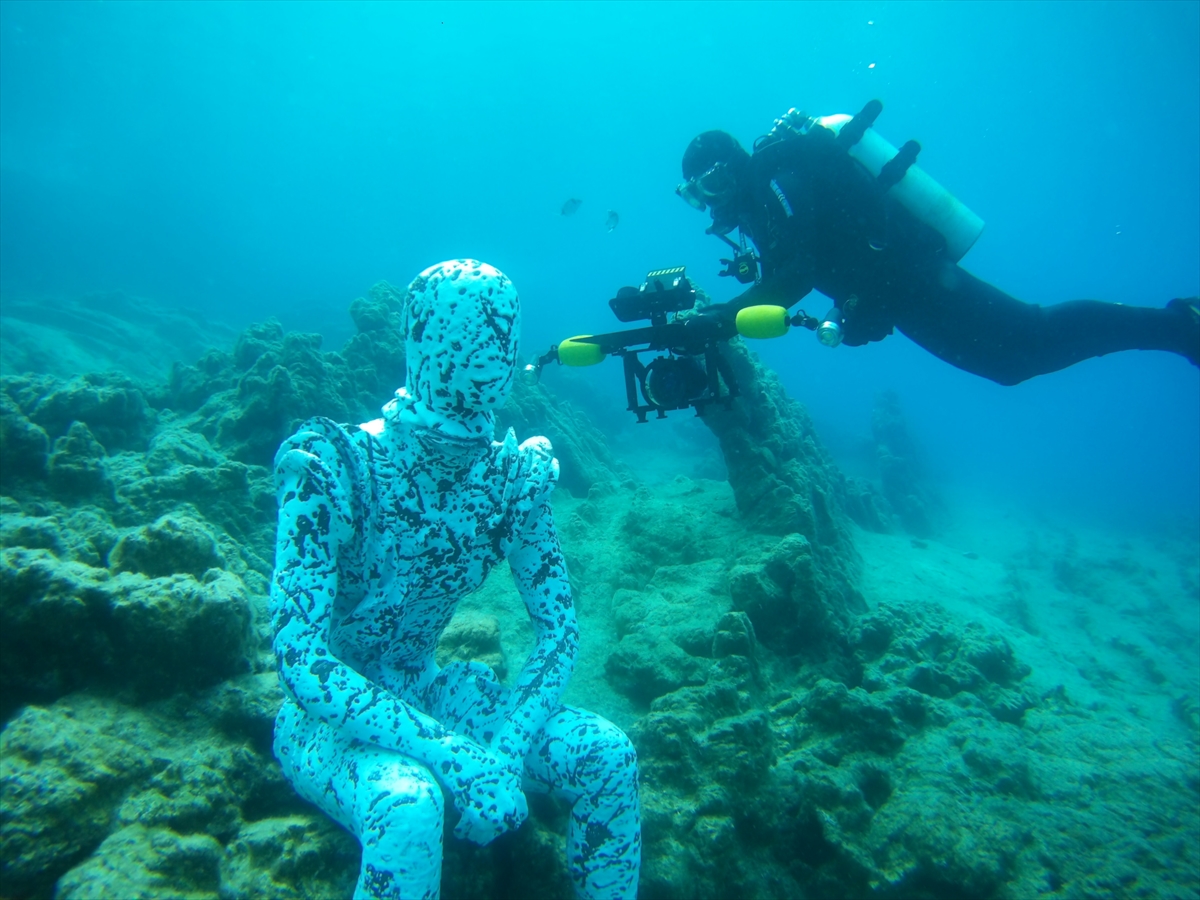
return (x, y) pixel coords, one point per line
(715, 322)
(487, 791)
(791, 123)
(725, 312)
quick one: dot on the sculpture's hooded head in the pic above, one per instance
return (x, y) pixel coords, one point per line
(462, 320)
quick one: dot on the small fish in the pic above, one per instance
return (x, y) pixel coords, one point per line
(568, 208)
(612, 219)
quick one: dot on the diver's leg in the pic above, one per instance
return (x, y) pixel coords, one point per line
(979, 328)
(390, 802)
(591, 763)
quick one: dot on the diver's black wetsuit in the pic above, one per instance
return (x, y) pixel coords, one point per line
(816, 216)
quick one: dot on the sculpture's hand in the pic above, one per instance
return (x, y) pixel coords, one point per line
(487, 791)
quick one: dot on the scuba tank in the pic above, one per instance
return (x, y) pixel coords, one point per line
(927, 200)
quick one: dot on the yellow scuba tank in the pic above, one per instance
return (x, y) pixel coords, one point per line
(916, 191)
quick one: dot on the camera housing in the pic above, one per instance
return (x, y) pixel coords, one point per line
(690, 368)
(691, 373)
(664, 291)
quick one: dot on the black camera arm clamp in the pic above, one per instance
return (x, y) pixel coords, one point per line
(744, 265)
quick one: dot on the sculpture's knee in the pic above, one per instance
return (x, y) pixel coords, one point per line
(399, 812)
(609, 756)
(400, 799)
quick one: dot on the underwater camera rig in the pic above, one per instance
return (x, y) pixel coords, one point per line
(690, 369)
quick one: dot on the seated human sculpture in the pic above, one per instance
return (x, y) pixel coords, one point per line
(383, 528)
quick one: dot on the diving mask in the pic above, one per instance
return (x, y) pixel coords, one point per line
(714, 187)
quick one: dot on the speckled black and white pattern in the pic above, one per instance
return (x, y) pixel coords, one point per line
(462, 323)
(382, 529)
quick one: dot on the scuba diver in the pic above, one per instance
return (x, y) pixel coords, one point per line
(382, 529)
(830, 205)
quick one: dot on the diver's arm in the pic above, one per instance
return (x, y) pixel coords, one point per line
(783, 227)
(786, 286)
(540, 573)
(786, 279)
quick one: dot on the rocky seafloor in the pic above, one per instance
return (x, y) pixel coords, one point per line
(833, 692)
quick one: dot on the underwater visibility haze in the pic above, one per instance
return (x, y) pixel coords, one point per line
(883, 628)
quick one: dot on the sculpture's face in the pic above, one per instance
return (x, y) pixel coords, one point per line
(462, 321)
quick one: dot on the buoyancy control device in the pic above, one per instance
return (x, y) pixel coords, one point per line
(895, 171)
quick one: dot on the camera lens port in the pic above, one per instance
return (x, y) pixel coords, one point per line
(673, 382)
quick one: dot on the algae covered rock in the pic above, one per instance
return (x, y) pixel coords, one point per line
(645, 666)
(666, 630)
(169, 468)
(232, 497)
(858, 720)
(63, 772)
(68, 430)
(147, 862)
(705, 754)
(381, 310)
(173, 447)
(785, 484)
(254, 397)
(473, 636)
(32, 532)
(827, 781)
(243, 709)
(279, 389)
(24, 445)
(77, 466)
(170, 545)
(782, 477)
(879, 788)
(663, 527)
(154, 801)
(111, 406)
(64, 625)
(794, 605)
(900, 648)
(297, 856)
(867, 506)
(246, 401)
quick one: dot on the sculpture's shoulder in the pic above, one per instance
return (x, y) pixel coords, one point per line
(339, 454)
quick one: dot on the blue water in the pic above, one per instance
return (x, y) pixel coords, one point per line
(276, 159)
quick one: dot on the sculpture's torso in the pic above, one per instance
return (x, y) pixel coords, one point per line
(428, 534)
